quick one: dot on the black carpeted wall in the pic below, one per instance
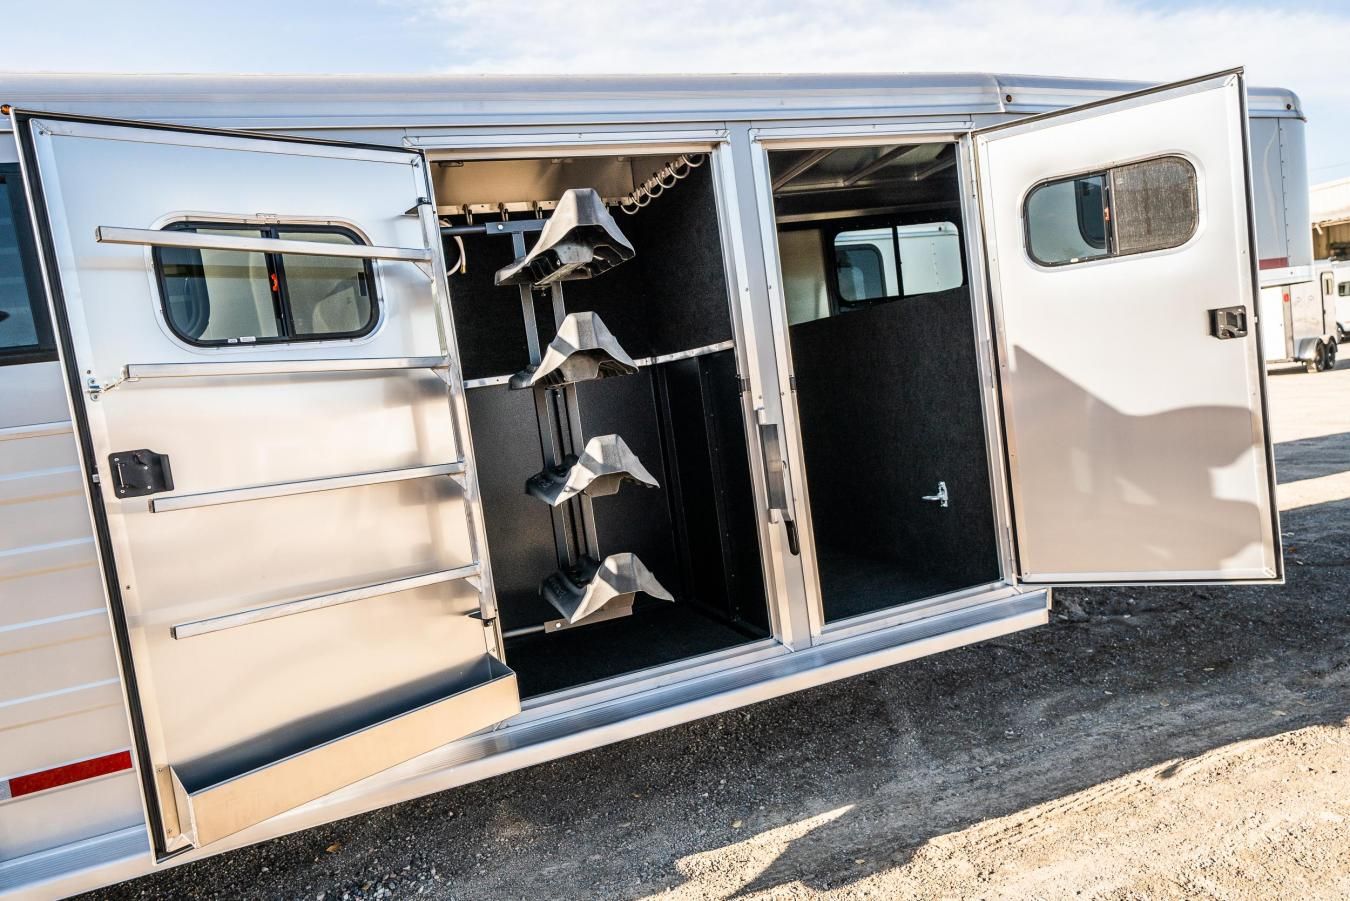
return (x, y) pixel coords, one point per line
(671, 296)
(698, 533)
(889, 403)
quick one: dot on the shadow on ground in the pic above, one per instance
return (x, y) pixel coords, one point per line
(1122, 680)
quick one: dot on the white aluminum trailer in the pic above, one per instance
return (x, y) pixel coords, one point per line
(364, 437)
(1299, 322)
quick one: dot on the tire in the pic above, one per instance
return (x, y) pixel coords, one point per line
(1330, 356)
(1318, 363)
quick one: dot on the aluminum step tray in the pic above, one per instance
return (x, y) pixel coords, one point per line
(213, 802)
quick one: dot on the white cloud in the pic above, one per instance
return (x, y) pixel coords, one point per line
(1297, 47)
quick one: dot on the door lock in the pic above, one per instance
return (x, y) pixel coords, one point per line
(942, 499)
(1228, 322)
(136, 473)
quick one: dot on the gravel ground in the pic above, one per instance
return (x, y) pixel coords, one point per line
(1173, 743)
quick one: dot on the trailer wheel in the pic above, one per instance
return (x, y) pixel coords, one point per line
(1330, 356)
(1318, 362)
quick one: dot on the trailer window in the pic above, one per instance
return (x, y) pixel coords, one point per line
(1343, 289)
(25, 330)
(874, 264)
(1135, 208)
(223, 297)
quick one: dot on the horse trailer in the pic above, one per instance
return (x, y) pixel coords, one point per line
(362, 437)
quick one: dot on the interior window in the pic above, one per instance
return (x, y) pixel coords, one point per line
(1135, 208)
(25, 332)
(215, 297)
(897, 261)
(865, 265)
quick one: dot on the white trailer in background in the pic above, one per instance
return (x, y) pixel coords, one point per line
(1298, 321)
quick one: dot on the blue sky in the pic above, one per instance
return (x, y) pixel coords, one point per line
(1295, 45)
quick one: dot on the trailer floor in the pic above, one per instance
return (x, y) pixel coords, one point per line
(1160, 743)
(656, 634)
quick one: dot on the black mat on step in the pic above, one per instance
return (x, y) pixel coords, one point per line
(852, 584)
(652, 636)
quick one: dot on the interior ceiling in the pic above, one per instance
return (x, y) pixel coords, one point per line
(863, 178)
(806, 170)
(523, 184)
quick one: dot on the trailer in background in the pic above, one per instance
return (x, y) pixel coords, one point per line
(1298, 319)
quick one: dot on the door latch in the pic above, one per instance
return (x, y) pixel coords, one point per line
(1228, 322)
(136, 473)
(941, 498)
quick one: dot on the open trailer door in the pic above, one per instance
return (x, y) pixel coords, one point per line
(1122, 273)
(260, 361)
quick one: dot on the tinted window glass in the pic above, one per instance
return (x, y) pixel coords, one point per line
(866, 265)
(25, 334)
(216, 297)
(1067, 220)
(327, 295)
(220, 296)
(1136, 208)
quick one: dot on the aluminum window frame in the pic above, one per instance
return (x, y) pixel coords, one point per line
(276, 268)
(1112, 241)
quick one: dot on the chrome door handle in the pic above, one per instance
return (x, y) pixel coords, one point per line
(941, 497)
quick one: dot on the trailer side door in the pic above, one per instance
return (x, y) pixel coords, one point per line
(1122, 275)
(261, 364)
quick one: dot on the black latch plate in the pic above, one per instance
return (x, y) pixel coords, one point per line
(136, 473)
(1228, 322)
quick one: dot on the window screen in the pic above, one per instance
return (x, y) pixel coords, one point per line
(1135, 208)
(25, 331)
(217, 297)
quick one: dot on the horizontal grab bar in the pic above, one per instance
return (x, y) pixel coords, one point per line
(490, 380)
(153, 237)
(134, 371)
(283, 489)
(317, 602)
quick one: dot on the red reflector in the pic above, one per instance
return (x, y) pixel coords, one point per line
(1275, 263)
(71, 772)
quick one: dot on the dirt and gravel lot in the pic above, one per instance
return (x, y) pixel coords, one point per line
(1150, 743)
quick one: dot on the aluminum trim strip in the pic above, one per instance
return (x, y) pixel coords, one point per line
(152, 237)
(306, 486)
(36, 430)
(317, 602)
(79, 866)
(135, 371)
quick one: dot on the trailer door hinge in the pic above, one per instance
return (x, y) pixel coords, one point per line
(742, 384)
